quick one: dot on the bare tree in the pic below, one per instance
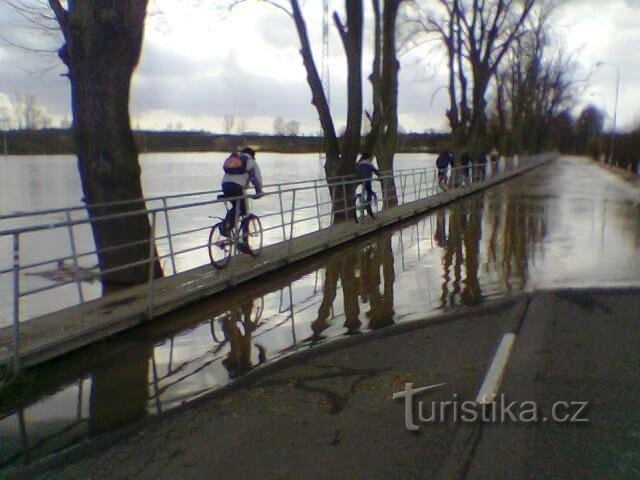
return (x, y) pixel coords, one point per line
(535, 85)
(476, 35)
(279, 126)
(102, 43)
(340, 155)
(101, 48)
(383, 136)
(242, 125)
(292, 128)
(227, 123)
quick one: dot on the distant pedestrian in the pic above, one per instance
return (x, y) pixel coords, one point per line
(494, 157)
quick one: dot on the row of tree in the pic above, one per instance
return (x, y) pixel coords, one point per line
(507, 83)
(23, 112)
(484, 41)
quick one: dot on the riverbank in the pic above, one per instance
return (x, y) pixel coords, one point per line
(55, 141)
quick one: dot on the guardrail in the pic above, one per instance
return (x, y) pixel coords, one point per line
(180, 226)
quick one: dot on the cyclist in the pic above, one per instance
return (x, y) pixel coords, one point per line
(442, 164)
(364, 171)
(240, 169)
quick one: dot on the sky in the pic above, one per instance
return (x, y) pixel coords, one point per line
(199, 64)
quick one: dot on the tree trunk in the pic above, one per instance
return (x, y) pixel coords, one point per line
(351, 36)
(332, 168)
(382, 139)
(102, 49)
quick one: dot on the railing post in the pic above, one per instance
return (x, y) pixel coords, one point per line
(169, 235)
(152, 262)
(403, 185)
(284, 232)
(415, 188)
(74, 252)
(293, 211)
(332, 195)
(16, 303)
(315, 188)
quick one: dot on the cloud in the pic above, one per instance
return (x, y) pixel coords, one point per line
(200, 67)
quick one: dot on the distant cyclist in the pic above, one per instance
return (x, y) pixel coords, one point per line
(240, 169)
(364, 171)
(442, 164)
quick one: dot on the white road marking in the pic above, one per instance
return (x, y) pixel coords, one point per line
(492, 380)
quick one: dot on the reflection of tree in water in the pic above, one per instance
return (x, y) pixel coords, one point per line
(518, 228)
(461, 247)
(377, 276)
(362, 271)
(119, 389)
(238, 327)
(512, 230)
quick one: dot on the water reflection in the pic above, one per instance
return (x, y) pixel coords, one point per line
(526, 232)
(237, 326)
(460, 240)
(119, 390)
(366, 276)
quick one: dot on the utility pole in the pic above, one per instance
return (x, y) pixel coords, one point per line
(615, 107)
(325, 58)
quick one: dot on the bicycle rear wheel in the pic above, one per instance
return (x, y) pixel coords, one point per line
(220, 247)
(251, 228)
(358, 205)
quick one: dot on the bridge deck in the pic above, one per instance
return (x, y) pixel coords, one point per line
(55, 334)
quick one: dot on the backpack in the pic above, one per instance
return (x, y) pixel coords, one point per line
(235, 164)
(442, 161)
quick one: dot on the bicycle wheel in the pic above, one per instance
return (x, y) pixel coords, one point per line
(359, 208)
(374, 205)
(251, 229)
(220, 247)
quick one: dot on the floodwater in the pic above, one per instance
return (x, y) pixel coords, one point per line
(567, 224)
(34, 183)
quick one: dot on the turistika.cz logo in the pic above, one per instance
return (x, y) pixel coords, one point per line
(486, 410)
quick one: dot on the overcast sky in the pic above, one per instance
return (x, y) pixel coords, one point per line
(197, 66)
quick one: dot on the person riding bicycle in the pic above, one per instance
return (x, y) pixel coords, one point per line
(364, 171)
(442, 164)
(240, 169)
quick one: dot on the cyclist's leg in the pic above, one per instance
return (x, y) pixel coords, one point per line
(243, 212)
(231, 189)
(368, 196)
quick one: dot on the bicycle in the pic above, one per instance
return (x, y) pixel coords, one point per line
(245, 238)
(249, 323)
(443, 179)
(363, 204)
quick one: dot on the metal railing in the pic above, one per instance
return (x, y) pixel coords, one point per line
(180, 225)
